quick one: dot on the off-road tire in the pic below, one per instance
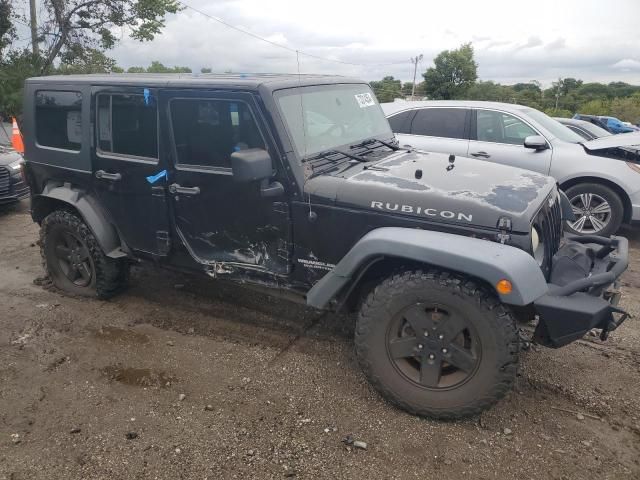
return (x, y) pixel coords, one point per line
(496, 328)
(109, 275)
(617, 207)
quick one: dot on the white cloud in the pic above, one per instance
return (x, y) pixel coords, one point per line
(627, 64)
(576, 38)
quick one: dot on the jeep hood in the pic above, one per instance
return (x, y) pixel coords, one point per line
(428, 186)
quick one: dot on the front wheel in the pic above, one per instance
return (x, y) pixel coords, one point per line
(597, 208)
(74, 260)
(436, 344)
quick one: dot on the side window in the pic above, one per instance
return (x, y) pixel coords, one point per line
(59, 119)
(440, 122)
(579, 131)
(401, 122)
(501, 127)
(206, 132)
(127, 125)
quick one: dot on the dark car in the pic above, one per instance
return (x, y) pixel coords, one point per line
(12, 186)
(587, 130)
(596, 120)
(297, 183)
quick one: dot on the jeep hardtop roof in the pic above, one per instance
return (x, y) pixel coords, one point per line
(248, 81)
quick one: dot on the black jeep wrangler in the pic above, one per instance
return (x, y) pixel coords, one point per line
(297, 183)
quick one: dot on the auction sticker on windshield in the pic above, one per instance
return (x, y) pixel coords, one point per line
(364, 100)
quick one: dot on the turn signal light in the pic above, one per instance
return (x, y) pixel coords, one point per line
(504, 287)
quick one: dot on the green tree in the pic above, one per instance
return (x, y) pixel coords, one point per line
(76, 25)
(387, 89)
(205, 70)
(87, 60)
(157, 67)
(453, 73)
(7, 29)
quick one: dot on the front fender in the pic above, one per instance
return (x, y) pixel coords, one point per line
(483, 259)
(93, 216)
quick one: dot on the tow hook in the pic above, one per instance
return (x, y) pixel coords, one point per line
(613, 323)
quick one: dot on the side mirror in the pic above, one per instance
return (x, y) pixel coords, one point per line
(536, 142)
(251, 164)
(254, 164)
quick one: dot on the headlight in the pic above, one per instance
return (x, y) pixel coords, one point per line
(537, 247)
(15, 166)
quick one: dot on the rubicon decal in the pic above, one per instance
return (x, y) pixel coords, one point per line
(428, 212)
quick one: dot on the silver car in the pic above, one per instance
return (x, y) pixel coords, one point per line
(601, 177)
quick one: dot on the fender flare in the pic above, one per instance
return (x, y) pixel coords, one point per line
(104, 231)
(489, 261)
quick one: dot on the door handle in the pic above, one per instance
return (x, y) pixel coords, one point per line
(102, 175)
(180, 190)
(480, 155)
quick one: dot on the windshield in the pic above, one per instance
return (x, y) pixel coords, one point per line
(334, 116)
(596, 130)
(554, 127)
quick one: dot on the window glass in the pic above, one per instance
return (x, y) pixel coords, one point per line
(207, 132)
(554, 127)
(501, 128)
(579, 131)
(401, 123)
(334, 116)
(59, 119)
(128, 125)
(440, 122)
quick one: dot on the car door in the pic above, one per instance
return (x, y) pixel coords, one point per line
(226, 224)
(125, 154)
(498, 137)
(434, 129)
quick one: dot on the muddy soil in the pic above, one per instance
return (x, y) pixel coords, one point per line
(183, 377)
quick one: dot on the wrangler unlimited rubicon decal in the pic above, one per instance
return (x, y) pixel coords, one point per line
(430, 212)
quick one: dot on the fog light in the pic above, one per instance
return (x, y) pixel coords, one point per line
(504, 287)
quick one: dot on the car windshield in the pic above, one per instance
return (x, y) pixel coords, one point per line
(596, 130)
(554, 127)
(326, 117)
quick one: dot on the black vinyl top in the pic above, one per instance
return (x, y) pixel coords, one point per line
(250, 81)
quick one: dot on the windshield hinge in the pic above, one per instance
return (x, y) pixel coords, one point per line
(504, 227)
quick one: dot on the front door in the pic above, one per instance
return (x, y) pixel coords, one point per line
(499, 137)
(126, 160)
(225, 224)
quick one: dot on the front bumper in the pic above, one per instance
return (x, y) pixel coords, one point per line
(568, 312)
(12, 189)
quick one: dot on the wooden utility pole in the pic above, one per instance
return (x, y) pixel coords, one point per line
(34, 28)
(415, 70)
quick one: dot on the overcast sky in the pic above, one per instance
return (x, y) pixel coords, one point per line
(514, 41)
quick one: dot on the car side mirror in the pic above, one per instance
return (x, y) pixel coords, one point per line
(251, 164)
(536, 142)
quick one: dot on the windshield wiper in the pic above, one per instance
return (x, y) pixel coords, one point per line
(333, 151)
(370, 141)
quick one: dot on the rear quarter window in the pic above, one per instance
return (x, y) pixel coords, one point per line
(59, 119)
(401, 122)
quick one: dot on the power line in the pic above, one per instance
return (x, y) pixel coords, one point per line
(279, 45)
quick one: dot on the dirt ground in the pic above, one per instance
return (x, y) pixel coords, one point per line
(184, 377)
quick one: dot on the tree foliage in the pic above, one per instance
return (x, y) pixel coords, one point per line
(387, 89)
(72, 26)
(453, 73)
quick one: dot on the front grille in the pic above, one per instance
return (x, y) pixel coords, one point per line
(4, 181)
(548, 223)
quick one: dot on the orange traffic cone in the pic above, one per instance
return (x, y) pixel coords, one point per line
(16, 137)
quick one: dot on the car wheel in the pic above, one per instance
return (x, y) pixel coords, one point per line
(74, 260)
(437, 344)
(597, 208)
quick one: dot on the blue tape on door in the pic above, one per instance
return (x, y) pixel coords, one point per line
(157, 176)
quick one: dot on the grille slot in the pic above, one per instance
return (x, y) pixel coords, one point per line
(549, 226)
(4, 181)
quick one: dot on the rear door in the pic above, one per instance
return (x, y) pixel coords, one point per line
(227, 224)
(128, 165)
(436, 129)
(498, 137)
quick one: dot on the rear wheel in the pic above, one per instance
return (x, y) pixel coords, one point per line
(436, 344)
(597, 208)
(74, 260)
